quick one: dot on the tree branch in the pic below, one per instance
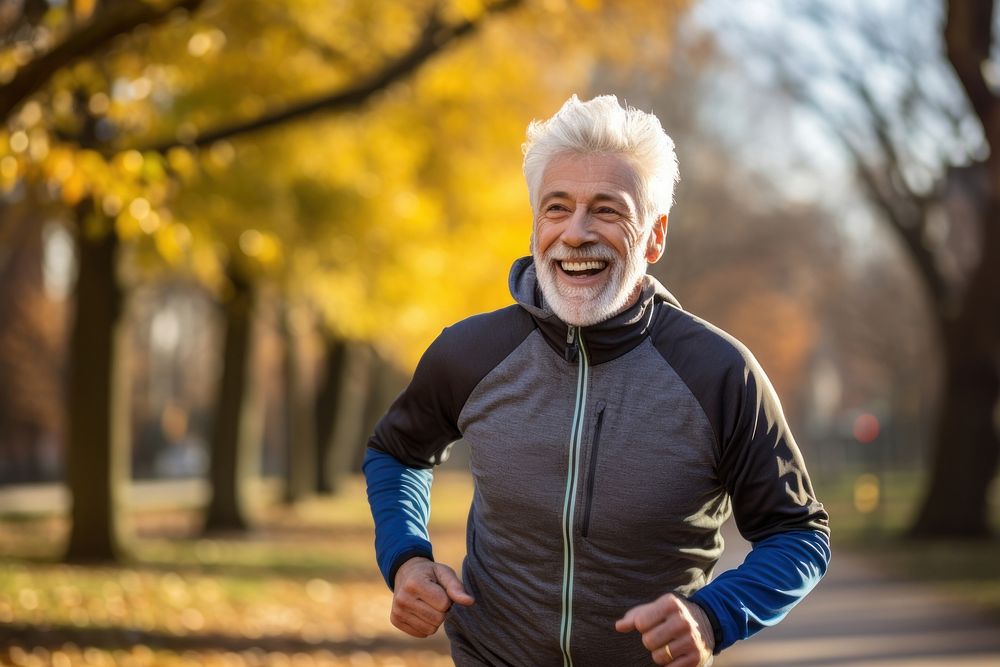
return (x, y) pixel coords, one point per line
(433, 38)
(968, 35)
(114, 19)
(885, 184)
(911, 236)
(879, 121)
(19, 15)
(908, 227)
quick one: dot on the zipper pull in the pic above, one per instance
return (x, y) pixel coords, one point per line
(572, 349)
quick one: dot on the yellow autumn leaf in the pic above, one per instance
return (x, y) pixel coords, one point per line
(172, 243)
(181, 162)
(127, 226)
(73, 188)
(82, 9)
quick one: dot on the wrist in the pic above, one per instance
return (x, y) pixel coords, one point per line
(705, 628)
(408, 565)
(403, 558)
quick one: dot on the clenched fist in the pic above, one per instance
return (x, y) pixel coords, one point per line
(676, 632)
(423, 592)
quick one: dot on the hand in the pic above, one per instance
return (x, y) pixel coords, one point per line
(424, 591)
(675, 631)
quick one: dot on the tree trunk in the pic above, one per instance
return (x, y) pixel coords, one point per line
(349, 436)
(97, 446)
(236, 435)
(327, 402)
(300, 477)
(387, 383)
(965, 449)
(966, 443)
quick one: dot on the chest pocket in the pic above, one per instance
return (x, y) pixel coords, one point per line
(595, 452)
(647, 475)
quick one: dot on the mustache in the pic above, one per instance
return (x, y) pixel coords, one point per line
(564, 253)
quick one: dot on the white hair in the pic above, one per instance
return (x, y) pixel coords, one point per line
(603, 126)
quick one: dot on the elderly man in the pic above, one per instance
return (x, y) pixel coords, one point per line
(611, 434)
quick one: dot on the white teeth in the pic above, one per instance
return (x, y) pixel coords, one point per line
(583, 266)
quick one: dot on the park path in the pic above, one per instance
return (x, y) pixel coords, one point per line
(859, 616)
(864, 616)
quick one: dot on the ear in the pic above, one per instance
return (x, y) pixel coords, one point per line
(657, 240)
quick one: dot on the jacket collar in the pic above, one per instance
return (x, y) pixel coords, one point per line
(605, 340)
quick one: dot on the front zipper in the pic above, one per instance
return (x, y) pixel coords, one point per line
(589, 497)
(574, 340)
(572, 346)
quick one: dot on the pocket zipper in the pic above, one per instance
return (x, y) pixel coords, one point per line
(592, 473)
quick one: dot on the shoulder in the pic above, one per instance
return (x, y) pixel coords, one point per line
(693, 346)
(467, 350)
(484, 335)
(499, 327)
(424, 418)
(718, 370)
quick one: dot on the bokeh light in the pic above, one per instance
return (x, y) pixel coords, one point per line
(867, 493)
(866, 428)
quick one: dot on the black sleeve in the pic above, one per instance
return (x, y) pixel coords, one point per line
(758, 461)
(761, 465)
(423, 421)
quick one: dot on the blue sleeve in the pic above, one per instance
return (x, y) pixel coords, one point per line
(774, 577)
(400, 500)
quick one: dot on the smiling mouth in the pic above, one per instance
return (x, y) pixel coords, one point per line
(580, 268)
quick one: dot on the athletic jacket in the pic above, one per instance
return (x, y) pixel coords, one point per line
(605, 460)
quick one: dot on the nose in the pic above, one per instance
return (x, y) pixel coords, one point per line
(578, 231)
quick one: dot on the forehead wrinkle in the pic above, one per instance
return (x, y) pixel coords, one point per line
(610, 197)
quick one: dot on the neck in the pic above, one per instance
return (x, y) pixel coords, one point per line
(633, 297)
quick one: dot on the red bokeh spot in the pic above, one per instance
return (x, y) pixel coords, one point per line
(866, 428)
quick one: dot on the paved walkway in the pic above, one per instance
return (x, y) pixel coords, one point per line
(861, 616)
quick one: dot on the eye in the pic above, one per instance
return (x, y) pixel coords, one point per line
(556, 207)
(607, 211)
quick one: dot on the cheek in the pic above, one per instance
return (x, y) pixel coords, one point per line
(624, 238)
(639, 236)
(543, 235)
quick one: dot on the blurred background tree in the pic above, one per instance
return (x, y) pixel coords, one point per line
(339, 218)
(909, 112)
(267, 210)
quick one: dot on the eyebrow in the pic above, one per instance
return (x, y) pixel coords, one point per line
(600, 196)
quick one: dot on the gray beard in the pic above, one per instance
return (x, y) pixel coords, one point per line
(584, 306)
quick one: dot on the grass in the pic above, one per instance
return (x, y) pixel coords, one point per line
(303, 589)
(300, 590)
